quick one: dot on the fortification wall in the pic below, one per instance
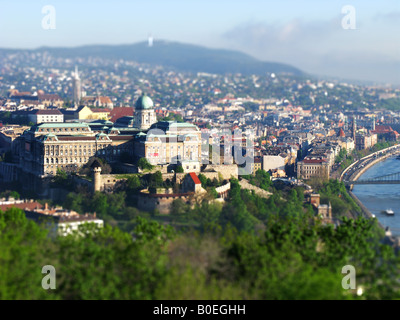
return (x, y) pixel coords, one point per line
(162, 203)
(227, 170)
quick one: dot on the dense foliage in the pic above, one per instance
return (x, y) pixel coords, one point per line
(335, 192)
(293, 258)
(249, 247)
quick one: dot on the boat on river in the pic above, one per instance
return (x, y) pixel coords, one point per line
(389, 212)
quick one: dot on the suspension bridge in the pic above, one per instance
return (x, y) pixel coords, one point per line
(393, 178)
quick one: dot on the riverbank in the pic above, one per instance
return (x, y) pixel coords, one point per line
(360, 167)
(359, 173)
(365, 211)
(376, 155)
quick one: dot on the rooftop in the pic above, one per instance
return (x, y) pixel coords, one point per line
(195, 178)
(62, 125)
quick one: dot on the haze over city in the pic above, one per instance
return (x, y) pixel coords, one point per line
(306, 34)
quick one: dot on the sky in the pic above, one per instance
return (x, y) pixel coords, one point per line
(307, 34)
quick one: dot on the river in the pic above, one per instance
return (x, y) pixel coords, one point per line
(380, 197)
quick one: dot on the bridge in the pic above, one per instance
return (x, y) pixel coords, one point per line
(393, 178)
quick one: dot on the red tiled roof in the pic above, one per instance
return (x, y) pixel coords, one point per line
(72, 138)
(23, 206)
(195, 178)
(382, 129)
(30, 102)
(57, 112)
(100, 110)
(18, 94)
(105, 100)
(120, 112)
(93, 99)
(314, 160)
(49, 96)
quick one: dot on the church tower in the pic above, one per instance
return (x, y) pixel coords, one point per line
(77, 88)
(144, 113)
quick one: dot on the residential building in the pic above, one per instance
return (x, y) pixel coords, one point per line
(273, 162)
(365, 141)
(45, 116)
(61, 221)
(97, 101)
(310, 168)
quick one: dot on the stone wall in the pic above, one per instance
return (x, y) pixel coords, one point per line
(160, 202)
(109, 182)
(211, 175)
(223, 191)
(227, 170)
(258, 191)
(224, 188)
(171, 176)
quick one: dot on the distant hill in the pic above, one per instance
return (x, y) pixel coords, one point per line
(183, 57)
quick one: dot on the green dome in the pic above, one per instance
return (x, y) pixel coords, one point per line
(144, 102)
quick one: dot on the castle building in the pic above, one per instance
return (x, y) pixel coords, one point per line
(170, 142)
(46, 147)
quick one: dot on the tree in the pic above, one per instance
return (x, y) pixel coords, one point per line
(156, 180)
(116, 204)
(74, 201)
(214, 192)
(9, 193)
(133, 183)
(144, 164)
(22, 242)
(99, 204)
(61, 179)
(179, 208)
(203, 180)
(179, 169)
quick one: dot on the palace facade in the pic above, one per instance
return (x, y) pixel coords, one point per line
(46, 147)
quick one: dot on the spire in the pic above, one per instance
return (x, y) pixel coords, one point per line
(76, 72)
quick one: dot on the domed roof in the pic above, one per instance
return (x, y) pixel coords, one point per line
(144, 103)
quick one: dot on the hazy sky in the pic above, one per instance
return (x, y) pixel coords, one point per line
(305, 33)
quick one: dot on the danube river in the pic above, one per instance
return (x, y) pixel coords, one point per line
(379, 197)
